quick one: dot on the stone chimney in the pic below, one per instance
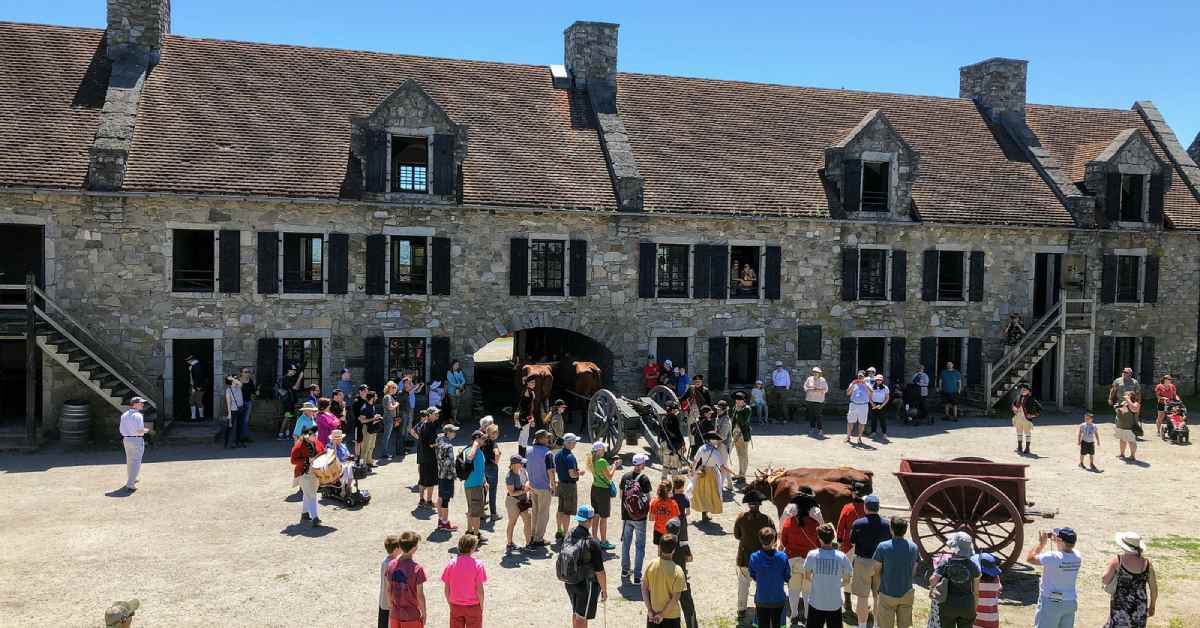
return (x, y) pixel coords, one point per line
(998, 86)
(136, 29)
(590, 54)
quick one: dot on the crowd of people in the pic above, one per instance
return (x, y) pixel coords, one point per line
(804, 571)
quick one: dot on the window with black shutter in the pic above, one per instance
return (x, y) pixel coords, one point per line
(808, 342)
(547, 267)
(445, 171)
(193, 263)
(518, 270)
(899, 275)
(647, 260)
(1125, 355)
(852, 185)
(951, 280)
(975, 282)
(875, 186)
(703, 264)
(410, 164)
(1158, 190)
(872, 274)
(268, 262)
(303, 262)
(1106, 369)
(578, 267)
(375, 272)
(1129, 275)
(773, 272)
(305, 353)
(743, 362)
(409, 264)
(718, 276)
(674, 349)
(440, 256)
(1108, 278)
(949, 350)
(1131, 197)
(229, 262)
(338, 264)
(671, 276)
(406, 356)
(744, 270)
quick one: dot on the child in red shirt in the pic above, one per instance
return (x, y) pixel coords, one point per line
(663, 508)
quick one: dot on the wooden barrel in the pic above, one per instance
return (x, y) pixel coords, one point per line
(75, 422)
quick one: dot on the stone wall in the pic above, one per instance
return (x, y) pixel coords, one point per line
(137, 27)
(114, 274)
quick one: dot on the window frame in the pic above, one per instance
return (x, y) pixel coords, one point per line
(688, 251)
(760, 279)
(887, 188)
(1135, 363)
(320, 362)
(565, 241)
(216, 266)
(730, 337)
(412, 134)
(885, 368)
(1140, 288)
(966, 277)
(390, 278)
(1141, 194)
(407, 335)
(282, 270)
(887, 274)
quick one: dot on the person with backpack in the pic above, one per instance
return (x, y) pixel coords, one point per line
(955, 584)
(635, 506)
(446, 475)
(469, 468)
(580, 567)
(543, 482)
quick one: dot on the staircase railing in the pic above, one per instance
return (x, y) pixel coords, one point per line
(998, 370)
(58, 318)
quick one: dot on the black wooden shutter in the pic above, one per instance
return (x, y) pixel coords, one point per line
(268, 262)
(1146, 373)
(929, 275)
(846, 359)
(579, 268)
(230, 247)
(702, 263)
(896, 365)
(440, 256)
(808, 342)
(376, 263)
(852, 185)
(975, 290)
(291, 261)
(716, 363)
(929, 356)
(849, 273)
(339, 263)
(443, 164)
(1158, 189)
(377, 166)
(439, 358)
(375, 360)
(1150, 287)
(974, 362)
(718, 272)
(1104, 370)
(518, 270)
(1112, 197)
(1108, 279)
(647, 262)
(899, 275)
(268, 360)
(774, 272)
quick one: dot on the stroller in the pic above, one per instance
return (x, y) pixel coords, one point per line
(1175, 429)
(354, 497)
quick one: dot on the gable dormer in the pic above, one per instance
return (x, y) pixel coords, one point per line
(409, 149)
(1129, 182)
(873, 168)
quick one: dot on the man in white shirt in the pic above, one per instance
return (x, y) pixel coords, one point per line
(133, 430)
(781, 382)
(1057, 598)
(815, 389)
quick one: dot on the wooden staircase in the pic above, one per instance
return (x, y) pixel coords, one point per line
(1002, 377)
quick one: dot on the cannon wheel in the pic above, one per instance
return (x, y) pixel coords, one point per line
(604, 422)
(972, 506)
(662, 396)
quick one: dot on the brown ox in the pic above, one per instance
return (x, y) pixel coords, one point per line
(841, 475)
(543, 374)
(587, 378)
(781, 488)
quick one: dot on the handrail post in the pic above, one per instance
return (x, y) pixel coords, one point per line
(987, 390)
(32, 359)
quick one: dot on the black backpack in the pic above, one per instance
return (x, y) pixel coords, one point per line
(463, 467)
(1033, 408)
(636, 502)
(958, 574)
(574, 564)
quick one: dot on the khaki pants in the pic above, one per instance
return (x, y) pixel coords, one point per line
(367, 453)
(541, 513)
(895, 612)
(743, 454)
(743, 587)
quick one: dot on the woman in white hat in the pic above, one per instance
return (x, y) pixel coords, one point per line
(1128, 576)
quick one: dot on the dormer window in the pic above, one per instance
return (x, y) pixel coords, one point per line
(875, 186)
(410, 164)
(1131, 198)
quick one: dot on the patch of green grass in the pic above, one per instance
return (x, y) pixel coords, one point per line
(1186, 545)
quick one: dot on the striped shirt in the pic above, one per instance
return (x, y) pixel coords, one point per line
(987, 612)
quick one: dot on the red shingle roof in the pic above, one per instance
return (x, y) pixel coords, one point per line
(265, 119)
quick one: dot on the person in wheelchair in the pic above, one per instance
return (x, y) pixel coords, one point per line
(345, 457)
(1175, 427)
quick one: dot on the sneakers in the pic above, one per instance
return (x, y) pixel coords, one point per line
(637, 578)
(625, 574)
(316, 523)
(304, 516)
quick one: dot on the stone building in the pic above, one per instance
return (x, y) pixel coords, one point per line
(259, 204)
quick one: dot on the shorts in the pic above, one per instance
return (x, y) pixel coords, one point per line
(1125, 436)
(197, 397)
(865, 580)
(601, 501)
(427, 470)
(401, 623)
(476, 500)
(445, 492)
(950, 398)
(857, 414)
(585, 597)
(512, 506)
(674, 622)
(568, 498)
(1087, 449)
(1022, 424)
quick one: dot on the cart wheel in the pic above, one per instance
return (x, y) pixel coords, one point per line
(604, 423)
(968, 505)
(969, 459)
(663, 395)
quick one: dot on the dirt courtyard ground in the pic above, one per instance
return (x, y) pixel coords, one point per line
(212, 537)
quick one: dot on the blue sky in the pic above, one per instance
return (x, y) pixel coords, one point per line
(1092, 53)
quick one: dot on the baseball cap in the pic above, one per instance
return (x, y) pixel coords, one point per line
(136, 400)
(559, 402)
(515, 459)
(585, 513)
(363, 387)
(778, 363)
(449, 427)
(1066, 534)
(640, 459)
(597, 446)
(477, 434)
(871, 501)
(432, 410)
(988, 564)
(570, 438)
(816, 369)
(120, 611)
(540, 433)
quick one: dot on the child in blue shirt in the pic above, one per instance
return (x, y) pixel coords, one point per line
(769, 569)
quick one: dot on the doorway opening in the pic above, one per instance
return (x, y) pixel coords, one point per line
(12, 384)
(188, 378)
(24, 253)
